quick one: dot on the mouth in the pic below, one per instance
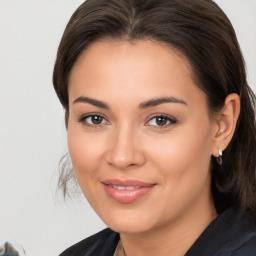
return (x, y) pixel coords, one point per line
(125, 188)
(127, 191)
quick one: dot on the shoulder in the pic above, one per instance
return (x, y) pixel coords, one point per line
(248, 248)
(101, 243)
(233, 233)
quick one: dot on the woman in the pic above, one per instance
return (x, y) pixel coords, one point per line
(161, 127)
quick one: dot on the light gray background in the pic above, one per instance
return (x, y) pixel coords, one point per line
(32, 133)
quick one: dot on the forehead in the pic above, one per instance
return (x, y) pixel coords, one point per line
(141, 68)
(141, 52)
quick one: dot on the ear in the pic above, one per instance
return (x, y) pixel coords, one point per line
(226, 123)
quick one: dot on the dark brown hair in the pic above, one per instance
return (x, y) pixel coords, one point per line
(201, 31)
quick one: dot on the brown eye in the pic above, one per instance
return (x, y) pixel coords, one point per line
(161, 121)
(93, 120)
(96, 119)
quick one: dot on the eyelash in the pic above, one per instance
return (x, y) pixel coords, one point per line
(170, 121)
(91, 125)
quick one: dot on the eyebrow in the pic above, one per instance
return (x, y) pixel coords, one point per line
(143, 105)
(158, 101)
(91, 101)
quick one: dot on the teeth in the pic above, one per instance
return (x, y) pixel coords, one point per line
(119, 187)
(125, 188)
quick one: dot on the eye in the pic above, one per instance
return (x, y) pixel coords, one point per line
(161, 121)
(93, 120)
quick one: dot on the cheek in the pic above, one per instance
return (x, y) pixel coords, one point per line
(185, 154)
(85, 151)
(183, 162)
(86, 155)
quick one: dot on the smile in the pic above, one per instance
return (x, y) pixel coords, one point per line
(125, 188)
(126, 191)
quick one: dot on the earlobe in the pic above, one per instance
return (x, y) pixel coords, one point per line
(227, 120)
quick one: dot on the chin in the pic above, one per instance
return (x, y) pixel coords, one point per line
(129, 228)
(128, 223)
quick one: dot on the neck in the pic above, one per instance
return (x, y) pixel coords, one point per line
(170, 239)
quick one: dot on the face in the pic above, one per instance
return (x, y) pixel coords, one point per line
(139, 135)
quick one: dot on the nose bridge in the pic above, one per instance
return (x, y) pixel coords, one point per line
(125, 150)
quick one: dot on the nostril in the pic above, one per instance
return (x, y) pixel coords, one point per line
(124, 152)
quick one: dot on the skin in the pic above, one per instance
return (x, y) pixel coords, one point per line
(128, 143)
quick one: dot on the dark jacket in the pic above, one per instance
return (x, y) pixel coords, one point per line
(231, 234)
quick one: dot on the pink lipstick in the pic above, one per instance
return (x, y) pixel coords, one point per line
(126, 191)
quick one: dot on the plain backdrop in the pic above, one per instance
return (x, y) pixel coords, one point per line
(32, 132)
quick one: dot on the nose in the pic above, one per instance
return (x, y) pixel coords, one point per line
(125, 151)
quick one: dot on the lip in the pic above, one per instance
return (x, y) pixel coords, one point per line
(126, 191)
